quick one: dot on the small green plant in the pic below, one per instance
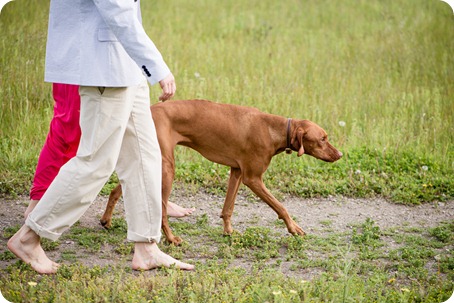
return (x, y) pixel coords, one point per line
(296, 246)
(69, 255)
(259, 239)
(124, 249)
(9, 231)
(367, 234)
(7, 255)
(49, 245)
(443, 232)
(202, 221)
(367, 237)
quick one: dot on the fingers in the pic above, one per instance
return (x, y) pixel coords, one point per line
(168, 87)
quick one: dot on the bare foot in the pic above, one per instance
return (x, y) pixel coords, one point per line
(25, 244)
(176, 211)
(148, 256)
(30, 207)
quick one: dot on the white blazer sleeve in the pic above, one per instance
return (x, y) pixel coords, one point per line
(121, 16)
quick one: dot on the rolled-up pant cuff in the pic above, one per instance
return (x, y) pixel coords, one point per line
(40, 231)
(134, 237)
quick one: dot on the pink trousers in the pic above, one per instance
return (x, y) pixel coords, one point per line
(62, 140)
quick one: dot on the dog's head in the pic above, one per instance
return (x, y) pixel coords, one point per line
(309, 138)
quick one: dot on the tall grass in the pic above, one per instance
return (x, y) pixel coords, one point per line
(384, 68)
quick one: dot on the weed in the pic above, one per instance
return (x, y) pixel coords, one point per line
(444, 232)
(259, 239)
(326, 223)
(124, 249)
(49, 245)
(69, 255)
(202, 221)
(367, 234)
(295, 247)
(368, 239)
(9, 231)
(7, 255)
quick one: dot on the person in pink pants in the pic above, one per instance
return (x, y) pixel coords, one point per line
(62, 140)
(61, 145)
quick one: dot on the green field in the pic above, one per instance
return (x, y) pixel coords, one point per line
(384, 68)
(378, 76)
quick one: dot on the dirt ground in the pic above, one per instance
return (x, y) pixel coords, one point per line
(311, 214)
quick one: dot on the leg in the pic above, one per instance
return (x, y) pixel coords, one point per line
(31, 205)
(140, 172)
(61, 142)
(25, 244)
(177, 211)
(149, 256)
(168, 174)
(106, 219)
(103, 121)
(78, 181)
(229, 203)
(255, 183)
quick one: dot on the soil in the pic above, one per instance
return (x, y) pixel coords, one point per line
(313, 215)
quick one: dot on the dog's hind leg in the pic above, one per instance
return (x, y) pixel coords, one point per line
(115, 194)
(229, 203)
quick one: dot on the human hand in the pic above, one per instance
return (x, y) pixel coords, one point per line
(168, 87)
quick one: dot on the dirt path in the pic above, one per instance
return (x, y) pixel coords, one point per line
(313, 215)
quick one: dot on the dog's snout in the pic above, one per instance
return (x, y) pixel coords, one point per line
(336, 155)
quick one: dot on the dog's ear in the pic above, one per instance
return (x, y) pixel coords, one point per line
(299, 138)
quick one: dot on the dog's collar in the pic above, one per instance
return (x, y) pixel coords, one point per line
(288, 149)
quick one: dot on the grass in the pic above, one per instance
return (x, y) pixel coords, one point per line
(363, 172)
(377, 75)
(353, 266)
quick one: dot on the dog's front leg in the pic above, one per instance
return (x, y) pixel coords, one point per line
(257, 186)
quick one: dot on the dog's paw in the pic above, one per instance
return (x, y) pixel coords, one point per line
(175, 241)
(228, 230)
(296, 230)
(106, 223)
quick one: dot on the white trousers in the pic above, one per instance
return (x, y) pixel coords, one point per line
(118, 133)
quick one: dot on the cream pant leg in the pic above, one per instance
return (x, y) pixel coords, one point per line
(117, 132)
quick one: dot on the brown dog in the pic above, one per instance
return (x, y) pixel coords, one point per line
(240, 137)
